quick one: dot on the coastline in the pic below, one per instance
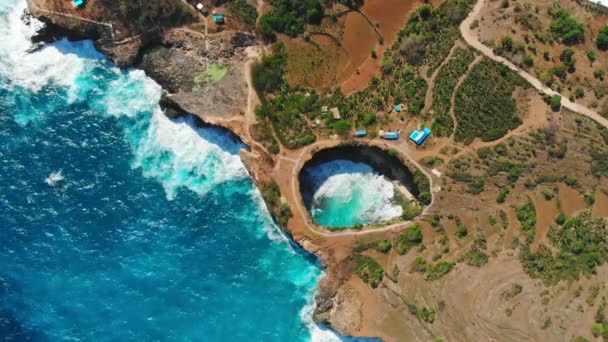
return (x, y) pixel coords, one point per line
(329, 248)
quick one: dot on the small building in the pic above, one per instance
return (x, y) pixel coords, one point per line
(360, 133)
(218, 18)
(201, 8)
(324, 109)
(390, 135)
(335, 113)
(78, 3)
(398, 108)
(418, 137)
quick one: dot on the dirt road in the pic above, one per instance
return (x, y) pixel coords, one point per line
(471, 38)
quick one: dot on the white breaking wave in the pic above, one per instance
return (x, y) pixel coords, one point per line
(54, 178)
(131, 95)
(59, 63)
(173, 152)
(317, 334)
(356, 187)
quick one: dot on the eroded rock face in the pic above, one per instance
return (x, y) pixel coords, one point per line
(338, 306)
(325, 298)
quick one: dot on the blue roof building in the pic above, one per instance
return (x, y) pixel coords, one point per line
(78, 3)
(360, 133)
(218, 18)
(418, 137)
(390, 135)
(398, 108)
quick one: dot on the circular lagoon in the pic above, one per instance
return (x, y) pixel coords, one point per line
(350, 186)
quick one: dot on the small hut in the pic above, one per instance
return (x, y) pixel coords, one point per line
(335, 113)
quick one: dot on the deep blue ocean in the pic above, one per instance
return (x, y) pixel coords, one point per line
(117, 223)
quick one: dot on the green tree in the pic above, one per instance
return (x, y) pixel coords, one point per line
(556, 103)
(602, 39)
(507, 43)
(569, 30)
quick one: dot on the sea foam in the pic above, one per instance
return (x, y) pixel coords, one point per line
(173, 151)
(59, 63)
(349, 193)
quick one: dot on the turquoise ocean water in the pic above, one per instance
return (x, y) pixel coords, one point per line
(343, 193)
(117, 223)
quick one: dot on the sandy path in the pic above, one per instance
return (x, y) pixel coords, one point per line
(471, 38)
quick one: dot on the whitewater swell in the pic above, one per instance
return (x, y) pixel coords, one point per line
(176, 153)
(349, 193)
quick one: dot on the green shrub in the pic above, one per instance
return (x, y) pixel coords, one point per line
(418, 265)
(272, 196)
(383, 246)
(502, 196)
(526, 214)
(556, 103)
(566, 27)
(368, 269)
(408, 239)
(426, 314)
(461, 231)
(425, 198)
(439, 269)
(476, 258)
(431, 161)
(560, 219)
(602, 39)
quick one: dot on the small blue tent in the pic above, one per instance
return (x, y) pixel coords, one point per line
(398, 108)
(418, 137)
(78, 3)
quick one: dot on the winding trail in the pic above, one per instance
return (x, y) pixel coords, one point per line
(430, 92)
(471, 38)
(461, 80)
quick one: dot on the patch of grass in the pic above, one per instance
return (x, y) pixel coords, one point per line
(215, 72)
(484, 105)
(368, 270)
